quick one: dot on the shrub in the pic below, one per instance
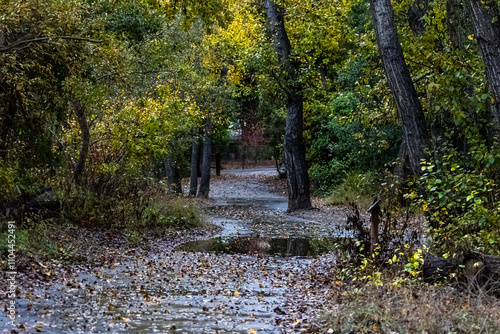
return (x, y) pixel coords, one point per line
(355, 188)
(460, 200)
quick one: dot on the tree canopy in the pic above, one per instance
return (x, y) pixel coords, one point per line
(95, 94)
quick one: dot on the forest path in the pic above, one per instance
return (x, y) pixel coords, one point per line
(260, 274)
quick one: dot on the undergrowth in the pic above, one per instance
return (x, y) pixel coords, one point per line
(131, 212)
(356, 188)
(410, 307)
(389, 292)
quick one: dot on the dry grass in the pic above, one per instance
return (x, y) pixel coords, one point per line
(411, 307)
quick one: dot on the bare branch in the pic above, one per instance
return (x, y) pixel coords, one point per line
(21, 44)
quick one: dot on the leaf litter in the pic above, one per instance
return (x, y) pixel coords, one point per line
(156, 288)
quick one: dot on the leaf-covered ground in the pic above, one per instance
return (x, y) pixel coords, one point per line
(155, 288)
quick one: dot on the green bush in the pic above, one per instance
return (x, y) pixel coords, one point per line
(357, 188)
(341, 143)
(342, 147)
(460, 199)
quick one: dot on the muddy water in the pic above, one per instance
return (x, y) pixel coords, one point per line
(241, 281)
(285, 247)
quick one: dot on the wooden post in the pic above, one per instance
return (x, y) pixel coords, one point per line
(375, 221)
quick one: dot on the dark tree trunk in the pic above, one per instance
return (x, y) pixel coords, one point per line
(455, 24)
(483, 270)
(322, 71)
(173, 176)
(205, 166)
(400, 82)
(295, 161)
(295, 157)
(200, 157)
(7, 115)
(195, 158)
(218, 166)
(243, 156)
(484, 16)
(416, 12)
(400, 172)
(84, 151)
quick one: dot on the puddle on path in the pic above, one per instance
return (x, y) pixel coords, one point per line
(286, 247)
(273, 204)
(212, 286)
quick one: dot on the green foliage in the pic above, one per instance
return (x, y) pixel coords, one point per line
(149, 74)
(22, 241)
(133, 21)
(460, 199)
(175, 213)
(355, 188)
(340, 145)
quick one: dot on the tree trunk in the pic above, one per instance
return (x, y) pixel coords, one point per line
(483, 270)
(243, 156)
(218, 165)
(322, 72)
(6, 121)
(193, 185)
(207, 155)
(173, 176)
(400, 82)
(295, 160)
(416, 12)
(84, 151)
(484, 16)
(455, 24)
(295, 157)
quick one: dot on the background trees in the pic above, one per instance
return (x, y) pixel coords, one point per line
(97, 96)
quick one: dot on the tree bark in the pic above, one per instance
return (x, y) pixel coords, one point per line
(295, 158)
(398, 76)
(193, 184)
(173, 175)
(207, 155)
(218, 165)
(455, 24)
(84, 150)
(7, 116)
(484, 15)
(484, 270)
(416, 12)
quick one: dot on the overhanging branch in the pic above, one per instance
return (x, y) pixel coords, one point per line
(21, 44)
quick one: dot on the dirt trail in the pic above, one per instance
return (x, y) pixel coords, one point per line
(160, 289)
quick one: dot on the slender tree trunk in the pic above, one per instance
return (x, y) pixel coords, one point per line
(455, 24)
(484, 15)
(200, 157)
(295, 158)
(207, 155)
(416, 12)
(7, 115)
(173, 176)
(402, 89)
(243, 156)
(193, 185)
(322, 72)
(218, 165)
(84, 151)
